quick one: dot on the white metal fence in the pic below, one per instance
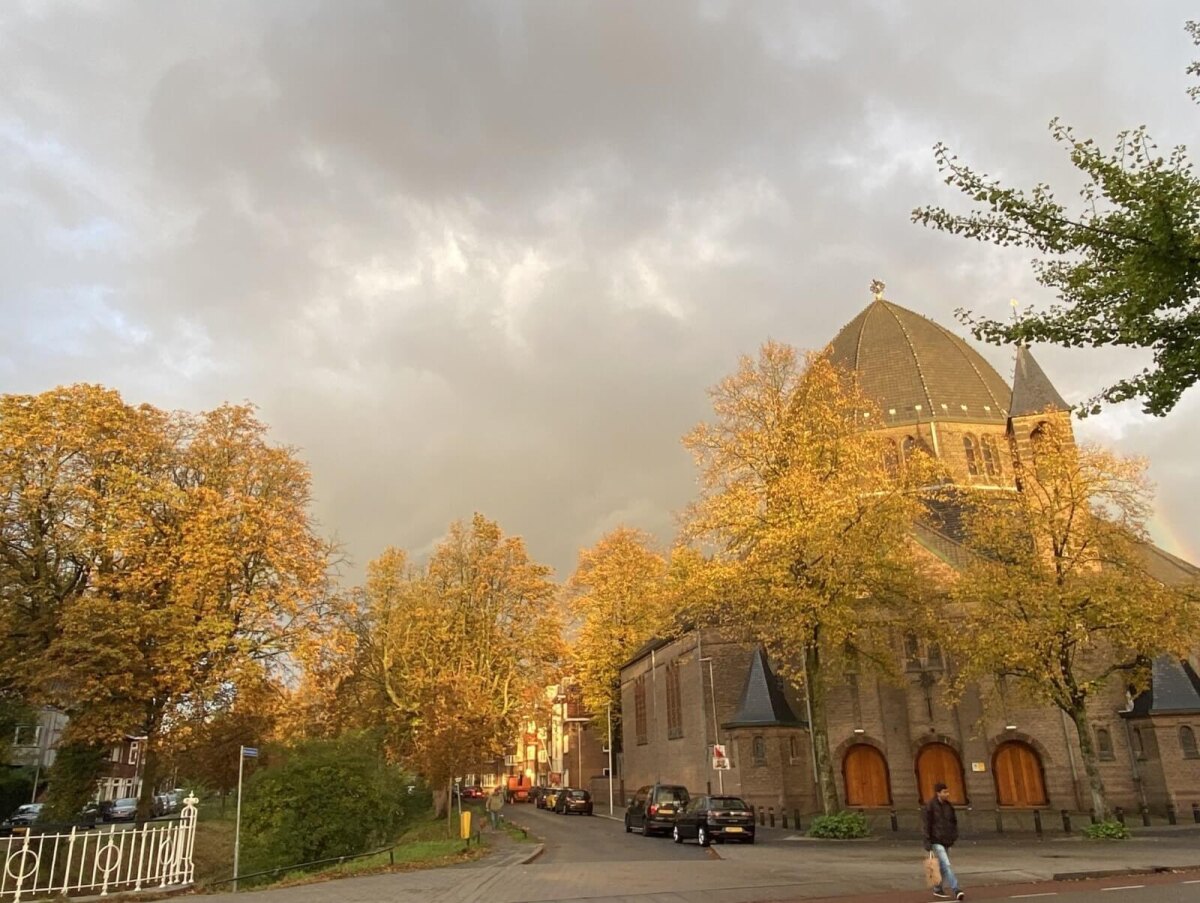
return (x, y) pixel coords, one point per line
(114, 858)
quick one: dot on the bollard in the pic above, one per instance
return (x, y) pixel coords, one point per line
(762, 817)
(1092, 813)
(1196, 813)
(771, 815)
(895, 823)
(1066, 817)
(1120, 814)
(783, 818)
(999, 822)
(1145, 816)
(1171, 815)
(1037, 822)
(392, 856)
(796, 819)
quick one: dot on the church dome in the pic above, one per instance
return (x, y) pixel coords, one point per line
(918, 371)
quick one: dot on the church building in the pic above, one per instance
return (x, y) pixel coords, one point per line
(892, 741)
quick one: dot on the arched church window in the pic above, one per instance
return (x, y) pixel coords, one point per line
(891, 456)
(1104, 747)
(972, 455)
(760, 751)
(991, 456)
(1187, 740)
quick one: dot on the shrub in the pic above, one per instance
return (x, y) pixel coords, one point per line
(322, 799)
(16, 788)
(1107, 830)
(843, 826)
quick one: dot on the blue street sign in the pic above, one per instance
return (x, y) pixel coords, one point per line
(250, 752)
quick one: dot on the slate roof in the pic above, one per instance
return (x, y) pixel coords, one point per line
(1174, 689)
(763, 703)
(904, 359)
(1032, 391)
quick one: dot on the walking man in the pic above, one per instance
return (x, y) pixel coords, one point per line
(495, 803)
(940, 825)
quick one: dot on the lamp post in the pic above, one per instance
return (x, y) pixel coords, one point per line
(610, 764)
(716, 728)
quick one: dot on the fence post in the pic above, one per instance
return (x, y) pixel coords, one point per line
(1196, 813)
(895, 823)
(1037, 822)
(1145, 816)
(1171, 814)
(1120, 814)
(999, 821)
(796, 814)
(762, 816)
(1066, 817)
(771, 815)
(783, 818)
(1096, 821)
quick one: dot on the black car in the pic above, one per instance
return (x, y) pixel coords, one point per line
(652, 809)
(573, 800)
(95, 812)
(19, 821)
(709, 818)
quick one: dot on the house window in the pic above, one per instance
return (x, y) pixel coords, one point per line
(27, 735)
(972, 453)
(116, 754)
(760, 752)
(1104, 747)
(933, 657)
(135, 752)
(674, 703)
(1187, 740)
(912, 652)
(639, 710)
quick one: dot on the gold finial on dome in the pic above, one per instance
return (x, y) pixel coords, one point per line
(877, 288)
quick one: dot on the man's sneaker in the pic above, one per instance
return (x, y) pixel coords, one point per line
(938, 892)
(960, 896)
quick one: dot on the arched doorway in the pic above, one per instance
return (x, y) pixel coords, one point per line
(866, 775)
(1018, 771)
(939, 763)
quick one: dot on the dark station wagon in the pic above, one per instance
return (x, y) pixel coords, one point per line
(652, 809)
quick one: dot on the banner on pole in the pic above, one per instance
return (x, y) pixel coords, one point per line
(720, 759)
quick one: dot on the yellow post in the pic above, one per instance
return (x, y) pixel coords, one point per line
(464, 825)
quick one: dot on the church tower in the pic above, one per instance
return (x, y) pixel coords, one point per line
(1034, 402)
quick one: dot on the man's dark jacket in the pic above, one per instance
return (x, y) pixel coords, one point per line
(940, 823)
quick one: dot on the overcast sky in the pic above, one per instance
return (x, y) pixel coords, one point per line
(491, 256)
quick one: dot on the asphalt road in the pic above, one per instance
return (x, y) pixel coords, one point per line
(583, 838)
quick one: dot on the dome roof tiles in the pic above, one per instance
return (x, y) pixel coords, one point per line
(917, 370)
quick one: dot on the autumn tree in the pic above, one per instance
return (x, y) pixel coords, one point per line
(618, 601)
(148, 561)
(453, 647)
(1125, 261)
(807, 525)
(1057, 599)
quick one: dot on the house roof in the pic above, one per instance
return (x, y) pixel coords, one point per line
(917, 369)
(763, 703)
(1174, 689)
(1032, 391)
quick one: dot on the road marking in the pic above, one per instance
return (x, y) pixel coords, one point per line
(1052, 893)
(1193, 881)
(1125, 887)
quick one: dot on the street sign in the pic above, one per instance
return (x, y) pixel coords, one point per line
(720, 760)
(250, 752)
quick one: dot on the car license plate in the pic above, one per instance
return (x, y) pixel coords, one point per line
(733, 830)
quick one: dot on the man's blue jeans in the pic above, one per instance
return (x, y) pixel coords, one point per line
(494, 817)
(949, 882)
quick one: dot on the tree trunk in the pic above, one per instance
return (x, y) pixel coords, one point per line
(814, 686)
(1087, 751)
(149, 770)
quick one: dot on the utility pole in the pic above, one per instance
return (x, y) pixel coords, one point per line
(610, 761)
(244, 753)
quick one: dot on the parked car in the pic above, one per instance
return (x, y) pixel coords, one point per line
(652, 809)
(124, 809)
(95, 812)
(472, 793)
(573, 800)
(548, 799)
(21, 819)
(709, 818)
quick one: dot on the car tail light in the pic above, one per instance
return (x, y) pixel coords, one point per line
(653, 808)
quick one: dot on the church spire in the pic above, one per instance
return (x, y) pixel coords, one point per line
(1032, 391)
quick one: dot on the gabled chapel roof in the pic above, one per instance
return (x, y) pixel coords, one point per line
(763, 703)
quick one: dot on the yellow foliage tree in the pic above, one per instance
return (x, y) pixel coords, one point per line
(618, 600)
(1057, 599)
(454, 649)
(149, 562)
(807, 526)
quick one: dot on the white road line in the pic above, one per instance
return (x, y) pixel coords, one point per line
(1125, 887)
(1027, 896)
(1193, 881)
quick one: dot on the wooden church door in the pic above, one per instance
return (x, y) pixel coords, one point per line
(1018, 772)
(939, 763)
(866, 775)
